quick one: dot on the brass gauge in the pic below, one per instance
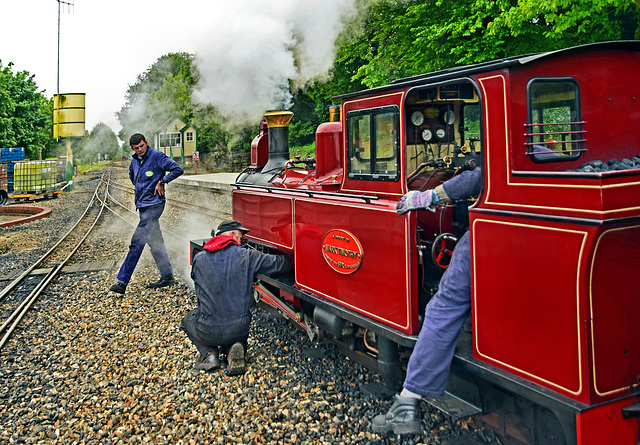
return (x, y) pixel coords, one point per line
(427, 134)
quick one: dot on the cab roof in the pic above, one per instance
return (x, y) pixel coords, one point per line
(493, 65)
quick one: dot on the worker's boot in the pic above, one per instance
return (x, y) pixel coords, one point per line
(236, 365)
(210, 362)
(162, 282)
(402, 418)
(120, 287)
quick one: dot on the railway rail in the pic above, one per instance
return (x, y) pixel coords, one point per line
(54, 259)
(202, 210)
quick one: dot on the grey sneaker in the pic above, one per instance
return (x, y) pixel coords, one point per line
(235, 358)
(119, 288)
(162, 282)
(402, 418)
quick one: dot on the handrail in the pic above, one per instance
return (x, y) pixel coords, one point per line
(366, 198)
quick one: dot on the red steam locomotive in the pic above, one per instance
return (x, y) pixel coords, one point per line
(551, 353)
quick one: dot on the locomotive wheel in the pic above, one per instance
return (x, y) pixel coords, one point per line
(4, 197)
(442, 249)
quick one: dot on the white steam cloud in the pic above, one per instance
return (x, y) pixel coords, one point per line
(248, 55)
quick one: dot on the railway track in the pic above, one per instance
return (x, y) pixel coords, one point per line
(53, 261)
(118, 209)
(25, 289)
(206, 211)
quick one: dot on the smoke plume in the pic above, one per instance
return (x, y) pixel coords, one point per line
(251, 52)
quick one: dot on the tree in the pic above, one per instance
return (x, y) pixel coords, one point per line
(101, 140)
(26, 115)
(402, 39)
(162, 91)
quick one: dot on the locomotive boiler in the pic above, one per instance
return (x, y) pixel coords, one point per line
(551, 353)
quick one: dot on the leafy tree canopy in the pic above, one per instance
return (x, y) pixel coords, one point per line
(159, 93)
(26, 115)
(391, 39)
(401, 39)
(101, 140)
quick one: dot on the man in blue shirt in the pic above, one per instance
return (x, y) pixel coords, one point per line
(223, 276)
(149, 171)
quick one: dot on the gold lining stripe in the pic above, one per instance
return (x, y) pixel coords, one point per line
(407, 290)
(401, 154)
(593, 351)
(475, 303)
(511, 183)
(245, 192)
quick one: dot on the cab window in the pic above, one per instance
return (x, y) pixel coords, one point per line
(373, 141)
(554, 128)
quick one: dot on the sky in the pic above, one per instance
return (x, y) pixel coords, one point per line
(243, 47)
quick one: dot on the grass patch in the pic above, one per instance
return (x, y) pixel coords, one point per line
(304, 151)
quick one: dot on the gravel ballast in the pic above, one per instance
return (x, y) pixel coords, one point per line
(90, 366)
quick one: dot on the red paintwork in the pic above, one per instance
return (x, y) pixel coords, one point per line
(604, 424)
(554, 253)
(547, 309)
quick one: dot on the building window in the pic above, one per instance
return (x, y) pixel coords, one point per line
(170, 140)
(188, 136)
(554, 129)
(373, 140)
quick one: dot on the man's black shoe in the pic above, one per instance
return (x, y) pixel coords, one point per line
(162, 282)
(402, 418)
(210, 362)
(235, 358)
(118, 288)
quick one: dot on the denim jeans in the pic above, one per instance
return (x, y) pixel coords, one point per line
(147, 232)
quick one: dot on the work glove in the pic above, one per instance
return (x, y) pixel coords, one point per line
(415, 200)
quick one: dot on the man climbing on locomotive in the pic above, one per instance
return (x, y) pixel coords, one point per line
(445, 314)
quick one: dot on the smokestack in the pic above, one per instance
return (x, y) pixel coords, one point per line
(278, 123)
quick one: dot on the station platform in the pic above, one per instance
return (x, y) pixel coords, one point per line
(215, 181)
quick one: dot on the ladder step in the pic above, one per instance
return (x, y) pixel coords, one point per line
(454, 406)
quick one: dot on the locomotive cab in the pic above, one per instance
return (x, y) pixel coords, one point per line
(552, 340)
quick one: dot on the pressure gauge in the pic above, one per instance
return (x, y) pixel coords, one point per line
(440, 133)
(449, 117)
(417, 118)
(427, 134)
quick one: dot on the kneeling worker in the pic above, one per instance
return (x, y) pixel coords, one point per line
(223, 275)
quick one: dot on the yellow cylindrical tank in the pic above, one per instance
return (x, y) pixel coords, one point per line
(68, 115)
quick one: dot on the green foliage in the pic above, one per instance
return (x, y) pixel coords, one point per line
(101, 140)
(402, 39)
(212, 135)
(304, 151)
(390, 39)
(162, 91)
(25, 114)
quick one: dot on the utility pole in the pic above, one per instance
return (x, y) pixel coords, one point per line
(69, 4)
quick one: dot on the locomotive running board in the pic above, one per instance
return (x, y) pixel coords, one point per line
(454, 406)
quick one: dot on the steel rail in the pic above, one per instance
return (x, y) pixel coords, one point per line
(200, 209)
(164, 230)
(22, 309)
(15, 282)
